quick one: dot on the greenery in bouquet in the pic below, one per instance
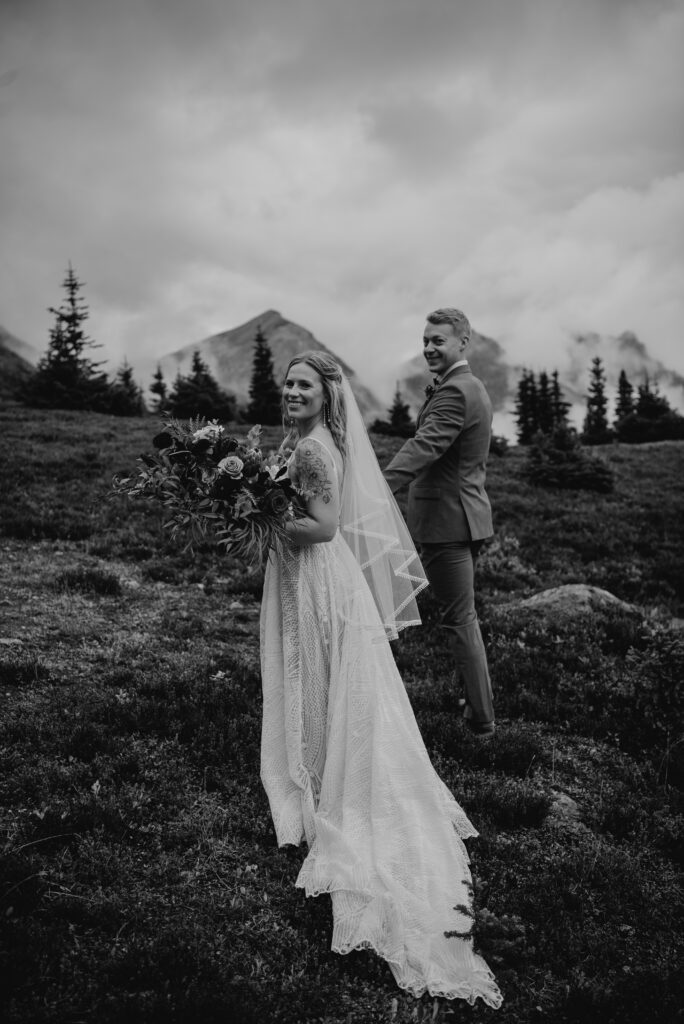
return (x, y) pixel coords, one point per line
(215, 487)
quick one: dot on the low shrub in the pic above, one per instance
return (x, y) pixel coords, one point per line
(88, 581)
(650, 703)
(21, 668)
(57, 524)
(495, 799)
(162, 570)
(636, 429)
(239, 581)
(501, 566)
(631, 810)
(626, 997)
(498, 445)
(558, 460)
(178, 568)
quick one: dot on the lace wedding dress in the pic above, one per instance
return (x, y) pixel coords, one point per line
(345, 768)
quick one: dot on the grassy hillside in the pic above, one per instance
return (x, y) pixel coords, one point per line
(139, 877)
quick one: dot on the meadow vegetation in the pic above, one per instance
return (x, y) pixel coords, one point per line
(139, 875)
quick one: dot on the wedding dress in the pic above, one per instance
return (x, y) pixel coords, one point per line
(345, 768)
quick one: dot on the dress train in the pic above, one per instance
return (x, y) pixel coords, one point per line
(344, 767)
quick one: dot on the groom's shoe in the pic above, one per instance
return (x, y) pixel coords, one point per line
(482, 730)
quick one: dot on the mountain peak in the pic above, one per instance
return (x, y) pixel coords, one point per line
(270, 319)
(230, 355)
(628, 341)
(11, 343)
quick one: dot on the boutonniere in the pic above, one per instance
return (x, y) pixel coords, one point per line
(429, 391)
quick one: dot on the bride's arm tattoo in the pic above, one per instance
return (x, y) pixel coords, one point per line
(312, 473)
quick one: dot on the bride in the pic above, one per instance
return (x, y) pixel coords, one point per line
(342, 760)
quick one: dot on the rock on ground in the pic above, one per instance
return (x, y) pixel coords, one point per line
(568, 600)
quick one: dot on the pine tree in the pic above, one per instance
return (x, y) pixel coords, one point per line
(534, 403)
(125, 397)
(400, 420)
(596, 429)
(66, 378)
(544, 404)
(522, 411)
(199, 394)
(652, 419)
(159, 390)
(526, 408)
(625, 398)
(558, 460)
(559, 406)
(265, 404)
(650, 403)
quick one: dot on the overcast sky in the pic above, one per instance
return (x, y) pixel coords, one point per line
(350, 163)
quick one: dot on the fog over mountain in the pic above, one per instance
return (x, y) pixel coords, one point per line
(229, 355)
(10, 343)
(16, 361)
(622, 352)
(617, 352)
(487, 361)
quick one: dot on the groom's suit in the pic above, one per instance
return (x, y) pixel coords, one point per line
(449, 516)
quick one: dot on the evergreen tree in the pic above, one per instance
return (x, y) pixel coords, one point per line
(596, 429)
(400, 420)
(265, 404)
(199, 394)
(125, 397)
(544, 404)
(652, 419)
(159, 390)
(625, 398)
(540, 407)
(66, 378)
(559, 406)
(558, 460)
(179, 396)
(526, 408)
(650, 403)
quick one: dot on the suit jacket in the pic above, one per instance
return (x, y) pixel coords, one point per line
(445, 463)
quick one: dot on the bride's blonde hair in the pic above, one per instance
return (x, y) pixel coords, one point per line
(334, 407)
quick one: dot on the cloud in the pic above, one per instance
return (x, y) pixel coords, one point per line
(608, 264)
(353, 165)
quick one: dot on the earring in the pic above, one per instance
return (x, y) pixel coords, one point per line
(326, 415)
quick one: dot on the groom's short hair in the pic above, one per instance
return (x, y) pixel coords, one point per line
(458, 320)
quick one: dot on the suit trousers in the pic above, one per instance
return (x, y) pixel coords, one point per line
(450, 569)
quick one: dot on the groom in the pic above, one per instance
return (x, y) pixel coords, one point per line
(449, 514)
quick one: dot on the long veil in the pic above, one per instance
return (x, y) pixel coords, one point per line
(375, 530)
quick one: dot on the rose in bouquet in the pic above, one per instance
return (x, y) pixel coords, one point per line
(214, 487)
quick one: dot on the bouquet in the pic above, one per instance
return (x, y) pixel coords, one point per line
(215, 487)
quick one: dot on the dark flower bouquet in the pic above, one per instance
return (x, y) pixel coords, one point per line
(216, 488)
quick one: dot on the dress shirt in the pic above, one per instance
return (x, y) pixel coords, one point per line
(459, 362)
